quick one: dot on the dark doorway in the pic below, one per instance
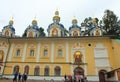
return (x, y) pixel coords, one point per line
(78, 71)
(102, 76)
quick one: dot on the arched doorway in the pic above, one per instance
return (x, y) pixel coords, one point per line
(46, 71)
(16, 69)
(78, 74)
(36, 71)
(26, 69)
(78, 71)
(102, 75)
(57, 71)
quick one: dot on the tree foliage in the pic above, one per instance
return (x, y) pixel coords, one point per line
(41, 31)
(25, 33)
(110, 22)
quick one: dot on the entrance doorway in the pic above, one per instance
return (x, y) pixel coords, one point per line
(102, 76)
(78, 74)
(78, 71)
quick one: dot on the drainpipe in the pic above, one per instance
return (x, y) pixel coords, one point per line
(6, 57)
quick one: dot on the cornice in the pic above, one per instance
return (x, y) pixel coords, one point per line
(62, 39)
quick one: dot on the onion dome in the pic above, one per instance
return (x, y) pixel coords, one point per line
(56, 18)
(34, 21)
(74, 21)
(11, 22)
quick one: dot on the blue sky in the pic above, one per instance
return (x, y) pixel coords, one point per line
(24, 11)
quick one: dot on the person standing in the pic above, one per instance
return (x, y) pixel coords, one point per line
(15, 77)
(85, 79)
(19, 77)
(65, 77)
(25, 77)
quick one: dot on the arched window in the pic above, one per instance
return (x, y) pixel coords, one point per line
(45, 52)
(60, 52)
(46, 71)
(7, 33)
(16, 69)
(0, 69)
(75, 33)
(36, 70)
(26, 69)
(57, 71)
(30, 34)
(18, 52)
(54, 32)
(1, 55)
(31, 52)
(97, 33)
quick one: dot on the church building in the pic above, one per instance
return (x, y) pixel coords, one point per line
(60, 53)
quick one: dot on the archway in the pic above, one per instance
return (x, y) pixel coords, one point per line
(16, 69)
(1, 55)
(30, 34)
(78, 71)
(36, 71)
(26, 69)
(102, 75)
(54, 32)
(7, 33)
(57, 71)
(75, 33)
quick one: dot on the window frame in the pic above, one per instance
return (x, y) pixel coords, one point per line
(18, 52)
(60, 53)
(57, 71)
(32, 52)
(45, 52)
(37, 71)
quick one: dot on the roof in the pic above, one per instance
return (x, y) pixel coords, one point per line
(9, 26)
(74, 26)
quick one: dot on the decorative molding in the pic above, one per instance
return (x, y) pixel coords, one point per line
(67, 52)
(38, 54)
(24, 53)
(52, 52)
(11, 51)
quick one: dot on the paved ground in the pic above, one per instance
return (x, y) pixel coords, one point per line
(9, 80)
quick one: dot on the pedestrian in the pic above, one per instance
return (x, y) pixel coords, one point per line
(65, 76)
(15, 77)
(19, 77)
(25, 77)
(85, 79)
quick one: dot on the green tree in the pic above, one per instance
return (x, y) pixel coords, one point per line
(25, 33)
(41, 31)
(110, 22)
(87, 23)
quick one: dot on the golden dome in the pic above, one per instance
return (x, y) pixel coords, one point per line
(34, 21)
(56, 17)
(74, 20)
(57, 12)
(11, 21)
